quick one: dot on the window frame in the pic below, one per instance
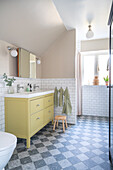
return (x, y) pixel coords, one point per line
(93, 53)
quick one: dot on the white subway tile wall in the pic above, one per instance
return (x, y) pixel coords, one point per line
(71, 84)
(43, 83)
(95, 100)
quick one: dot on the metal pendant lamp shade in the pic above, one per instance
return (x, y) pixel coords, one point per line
(90, 33)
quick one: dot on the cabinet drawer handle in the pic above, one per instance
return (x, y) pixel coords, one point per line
(38, 105)
(49, 100)
(49, 111)
(37, 118)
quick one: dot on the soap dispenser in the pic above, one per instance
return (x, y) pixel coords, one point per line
(28, 88)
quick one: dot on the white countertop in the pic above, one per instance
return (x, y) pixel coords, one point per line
(29, 94)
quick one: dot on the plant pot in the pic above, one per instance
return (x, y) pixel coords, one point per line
(10, 90)
(106, 83)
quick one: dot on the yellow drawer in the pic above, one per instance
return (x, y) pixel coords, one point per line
(36, 121)
(48, 114)
(36, 105)
(48, 101)
(52, 113)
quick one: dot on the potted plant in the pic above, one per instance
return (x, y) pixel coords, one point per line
(9, 82)
(106, 79)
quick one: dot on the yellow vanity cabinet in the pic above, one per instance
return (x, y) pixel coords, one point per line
(26, 116)
(37, 105)
(48, 101)
(36, 121)
(48, 116)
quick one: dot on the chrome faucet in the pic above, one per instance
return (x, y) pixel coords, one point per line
(34, 87)
(19, 87)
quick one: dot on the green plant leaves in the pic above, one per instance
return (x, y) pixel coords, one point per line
(106, 79)
(9, 81)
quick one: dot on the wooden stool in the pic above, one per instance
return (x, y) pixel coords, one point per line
(59, 117)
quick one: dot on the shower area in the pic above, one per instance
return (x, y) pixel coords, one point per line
(95, 94)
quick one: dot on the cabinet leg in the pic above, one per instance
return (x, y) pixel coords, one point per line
(52, 122)
(28, 142)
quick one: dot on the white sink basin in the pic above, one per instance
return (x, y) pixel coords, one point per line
(30, 94)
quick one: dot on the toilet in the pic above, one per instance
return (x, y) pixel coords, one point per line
(7, 145)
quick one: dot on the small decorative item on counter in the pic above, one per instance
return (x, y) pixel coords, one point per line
(96, 80)
(106, 79)
(28, 88)
(9, 82)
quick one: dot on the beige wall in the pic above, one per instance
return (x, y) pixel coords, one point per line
(95, 45)
(59, 60)
(8, 64)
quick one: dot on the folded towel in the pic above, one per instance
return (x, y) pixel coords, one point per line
(61, 91)
(56, 97)
(67, 108)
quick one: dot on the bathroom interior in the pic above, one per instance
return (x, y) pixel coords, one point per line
(44, 47)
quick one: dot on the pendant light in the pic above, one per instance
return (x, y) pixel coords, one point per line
(90, 33)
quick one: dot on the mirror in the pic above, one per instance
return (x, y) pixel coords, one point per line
(33, 65)
(24, 65)
(27, 64)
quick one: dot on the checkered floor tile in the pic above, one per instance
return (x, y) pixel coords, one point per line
(82, 146)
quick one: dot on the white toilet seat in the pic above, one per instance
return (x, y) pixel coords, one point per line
(7, 145)
(7, 140)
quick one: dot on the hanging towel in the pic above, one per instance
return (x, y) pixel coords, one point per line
(61, 91)
(67, 108)
(56, 97)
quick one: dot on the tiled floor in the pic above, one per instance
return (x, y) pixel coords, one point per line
(82, 146)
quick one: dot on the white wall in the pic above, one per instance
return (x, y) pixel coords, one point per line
(63, 82)
(95, 100)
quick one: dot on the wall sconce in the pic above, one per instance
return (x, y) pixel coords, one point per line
(13, 51)
(90, 33)
(38, 61)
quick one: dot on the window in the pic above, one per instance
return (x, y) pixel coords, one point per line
(95, 64)
(103, 59)
(88, 69)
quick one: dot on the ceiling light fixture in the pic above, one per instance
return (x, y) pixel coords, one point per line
(90, 33)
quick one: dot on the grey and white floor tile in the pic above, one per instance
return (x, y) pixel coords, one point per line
(82, 146)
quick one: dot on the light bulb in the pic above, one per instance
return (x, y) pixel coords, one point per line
(38, 61)
(14, 53)
(90, 33)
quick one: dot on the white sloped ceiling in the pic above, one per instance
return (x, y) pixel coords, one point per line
(80, 13)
